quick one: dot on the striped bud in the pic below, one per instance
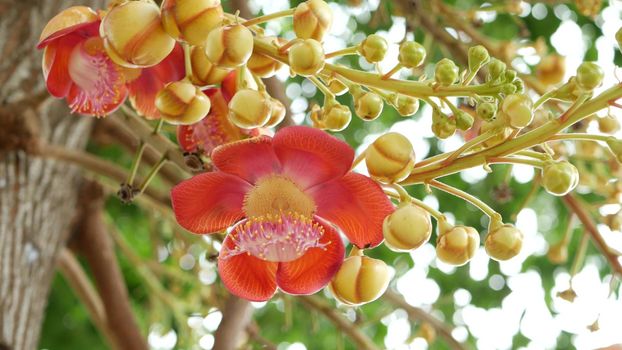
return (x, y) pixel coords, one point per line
(312, 19)
(182, 103)
(306, 57)
(390, 158)
(191, 20)
(229, 46)
(204, 72)
(249, 109)
(407, 228)
(368, 106)
(360, 280)
(457, 245)
(504, 242)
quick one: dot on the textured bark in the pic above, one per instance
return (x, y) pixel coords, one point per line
(37, 196)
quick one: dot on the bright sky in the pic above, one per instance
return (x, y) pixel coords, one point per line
(524, 309)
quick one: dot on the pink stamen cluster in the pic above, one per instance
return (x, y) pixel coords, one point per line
(278, 238)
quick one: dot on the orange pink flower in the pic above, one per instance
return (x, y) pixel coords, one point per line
(285, 201)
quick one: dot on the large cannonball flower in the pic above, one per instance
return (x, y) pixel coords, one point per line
(76, 65)
(286, 199)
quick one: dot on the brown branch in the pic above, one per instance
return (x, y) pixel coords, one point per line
(77, 279)
(577, 207)
(416, 313)
(255, 334)
(352, 331)
(235, 318)
(95, 244)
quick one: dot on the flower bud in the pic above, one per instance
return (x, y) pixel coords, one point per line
(518, 109)
(445, 72)
(559, 177)
(373, 48)
(520, 86)
(457, 245)
(551, 69)
(407, 228)
(191, 20)
(478, 56)
(464, 121)
(614, 221)
(312, 19)
(360, 280)
(615, 146)
(306, 57)
(337, 87)
(608, 124)
(589, 76)
(368, 106)
(229, 46)
(133, 35)
(508, 89)
(336, 117)
(496, 69)
(390, 158)
(277, 113)
(204, 72)
(406, 105)
(442, 126)
(486, 111)
(249, 109)
(182, 103)
(558, 253)
(262, 65)
(412, 54)
(504, 243)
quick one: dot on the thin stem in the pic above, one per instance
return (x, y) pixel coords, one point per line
(393, 70)
(269, 17)
(325, 90)
(346, 51)
(579, 255)
(470, 144)
(544, 98)
(153, 173)
(469, 78)
(404, 196)
(135, 163)
(533, 154)
(467, 197)
(581, 136)
(358, 159)
(187, 60)
(516, 160)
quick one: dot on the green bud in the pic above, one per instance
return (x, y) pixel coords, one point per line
(486, 111)
(411, 54)
(496, 69)
(446, 72)
(478, 56)
(373, 48)
(559, 177)
(368, 106)
(520, 86)
(509, 75)
(508, 89)
(442, 126)
(619, 38)
(615, 146)
(405, 105)
(464, 121)
(589, 76)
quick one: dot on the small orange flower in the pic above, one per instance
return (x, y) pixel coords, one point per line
(76, 65)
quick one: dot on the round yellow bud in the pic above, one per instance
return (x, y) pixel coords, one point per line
(191, 20)
(133, 35)
(204, 72)
(336, 117)
(182, 103)
(306, 57)
(518, 110)
(312, 19)
(368, 106)
(390, 158)
(608, 124)
(229, 46)
(277, 114)
(262, 65)
(551, 69)
(559, 177)
(406, 105)
(558, 253)
(249, 109)
(373, 48)
(411, 54)
(407, 228)
(457, 245)
(589, 76)
(360, 280)
(504, 242)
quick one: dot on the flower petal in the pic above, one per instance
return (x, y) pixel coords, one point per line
(70, 20)
(247, 276)
(209, 202)
(56, 65)
(356, 204)
(145, 87)
(249, 159)
(311, 156)
(312, 271)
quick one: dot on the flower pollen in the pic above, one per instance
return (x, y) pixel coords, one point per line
(277, 238)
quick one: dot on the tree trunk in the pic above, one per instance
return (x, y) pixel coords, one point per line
(37, 196)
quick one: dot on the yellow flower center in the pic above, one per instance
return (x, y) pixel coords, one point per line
(276, 194)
